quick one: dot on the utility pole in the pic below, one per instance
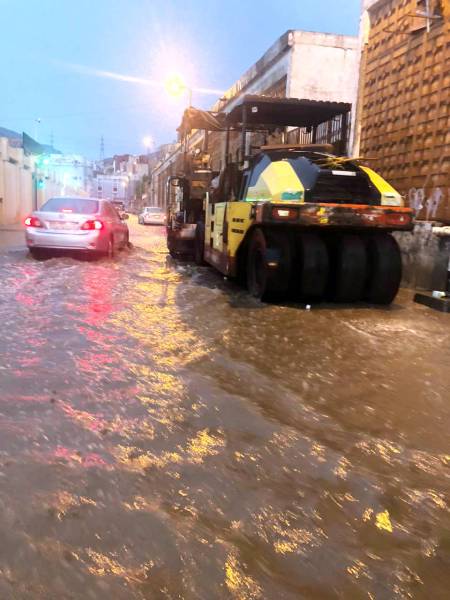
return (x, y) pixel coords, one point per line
(102, 148)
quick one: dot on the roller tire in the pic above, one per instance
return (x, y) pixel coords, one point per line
(349, 273)
(385, 269)
(312, 267)
(199, 244)
(264, 281)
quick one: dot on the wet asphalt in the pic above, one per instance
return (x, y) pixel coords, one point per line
(163, 435)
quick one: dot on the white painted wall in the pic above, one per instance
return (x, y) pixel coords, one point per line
(18, 175)
(323, 67)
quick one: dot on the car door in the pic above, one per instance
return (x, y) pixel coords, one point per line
(121, 228)
(115, 224)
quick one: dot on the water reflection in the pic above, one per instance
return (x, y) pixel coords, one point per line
(163, 437)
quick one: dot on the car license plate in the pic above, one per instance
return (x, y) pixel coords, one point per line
(62, 225)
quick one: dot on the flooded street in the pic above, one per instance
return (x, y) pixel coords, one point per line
(165, 436)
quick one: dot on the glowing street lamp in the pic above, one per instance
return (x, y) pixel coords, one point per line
(148, 142)
(176, 87)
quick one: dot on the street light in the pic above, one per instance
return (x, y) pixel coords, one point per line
(176, 87)
(148, 142)
(37, 122)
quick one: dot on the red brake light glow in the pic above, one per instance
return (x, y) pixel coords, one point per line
(32, 222)
(92, 225)
(66, 210)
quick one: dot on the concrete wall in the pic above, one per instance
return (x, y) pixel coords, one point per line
(19, 193)
(425, 258)
(270, 68)
(16, 183)
(323, 67)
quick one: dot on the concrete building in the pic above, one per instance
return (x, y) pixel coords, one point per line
(119, 178)
(69, 171)
(300, 64)
(111, 187)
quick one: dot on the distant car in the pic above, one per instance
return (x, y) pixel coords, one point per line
(87, 225)
(152, 215)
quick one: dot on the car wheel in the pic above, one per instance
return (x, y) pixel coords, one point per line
(37, 253)
(110, 252)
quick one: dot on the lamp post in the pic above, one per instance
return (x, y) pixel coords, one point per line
(37, 122)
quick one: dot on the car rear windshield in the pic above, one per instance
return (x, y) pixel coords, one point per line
(84, 206)
(152, 209)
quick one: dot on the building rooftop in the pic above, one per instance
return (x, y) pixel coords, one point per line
(10, 134)
(289, 39)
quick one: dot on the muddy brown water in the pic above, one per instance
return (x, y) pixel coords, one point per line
(164, 436)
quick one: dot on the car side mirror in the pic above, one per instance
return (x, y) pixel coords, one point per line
(125, 217)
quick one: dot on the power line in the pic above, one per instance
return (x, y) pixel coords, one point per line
(130, 107)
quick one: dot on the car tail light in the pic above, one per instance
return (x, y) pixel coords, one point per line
(396, 219)
(66, 210)
(282, 214)
(92, 225)
(32, 222)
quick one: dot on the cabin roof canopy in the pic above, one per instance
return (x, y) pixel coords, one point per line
(194, 118)
(262, 111)
(283, 112)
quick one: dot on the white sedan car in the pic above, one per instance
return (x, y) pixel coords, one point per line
(152, 215)
(85, 225)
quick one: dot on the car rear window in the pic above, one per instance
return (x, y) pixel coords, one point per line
(84, 206)
(152, 209)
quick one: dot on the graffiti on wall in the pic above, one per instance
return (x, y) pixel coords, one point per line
(418, 200)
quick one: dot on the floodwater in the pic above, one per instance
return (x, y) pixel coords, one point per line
(162, 435)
